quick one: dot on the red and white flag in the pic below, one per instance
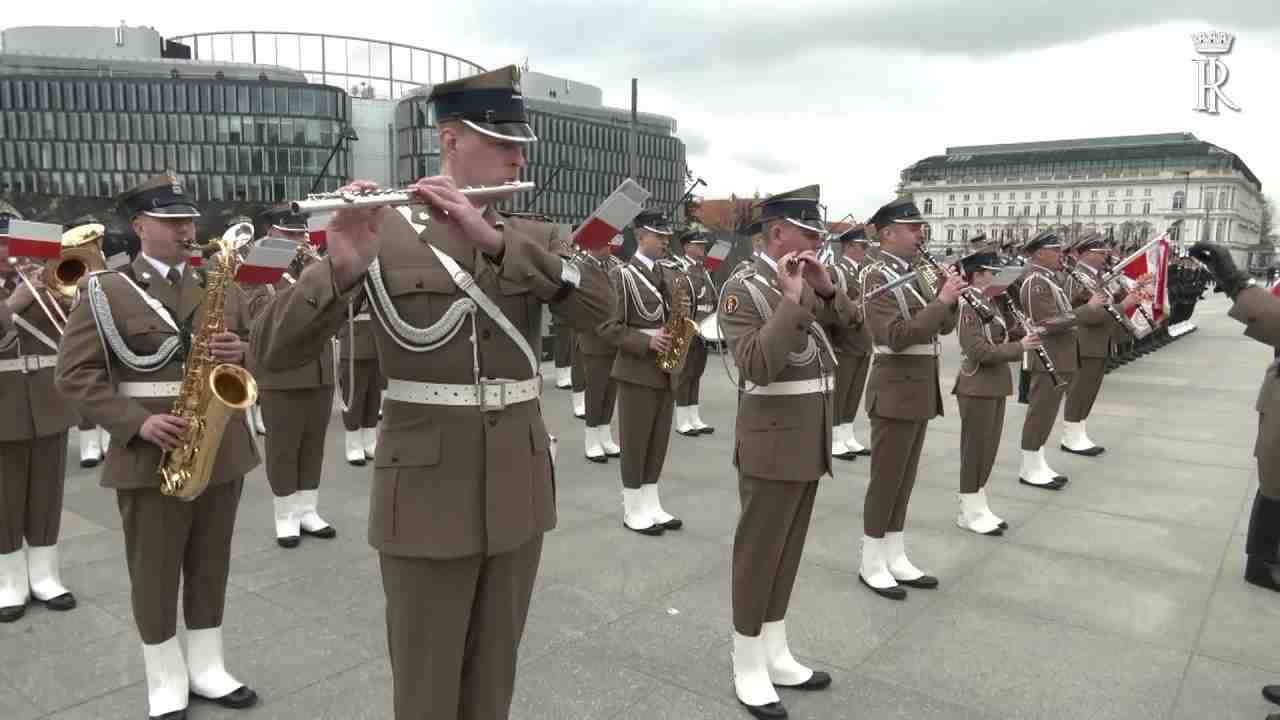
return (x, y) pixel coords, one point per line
(318, 229)
(34, 239)
(617, 211)
(615, 245)
(267, 261)
(1150, 266)
(717, 254)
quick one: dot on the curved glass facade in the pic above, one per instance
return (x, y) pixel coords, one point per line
(236, 140)
(576, 162)
(365, 68)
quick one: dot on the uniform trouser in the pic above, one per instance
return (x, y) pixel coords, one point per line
(564, 346)
(86, 425)
(644, 424)
(981, 425)
(454, 629)
(1084, 389)
(167, 539)
(297, 422)
(1043, 401)
(601, 389)
(689, 383)
(366, 400)
(851, 379)
(578, 372)
(895, 457)
(1267, 450)
(767, 546)
(32, 475)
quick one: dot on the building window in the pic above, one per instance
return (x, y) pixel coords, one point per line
(1026, 209)
(1060, 194)
(966, 197)
(1043, 209)
(1044, 194)
(951, 197)
(1111, 192)
(951, 212)
(1179, 200)
(1146, 192)
(1027, 195)
(995, 210)
(951, 235)
(1128, 192)
(1093, 194)
(1146, 208)
(1208, 199)
(1128, 208)
(966, 211)
(928, 206)
(1011, 210)
(964, 234)
(1059, 210)
(1075, 194)
(1093, 208)
(1111, 208)
(981, 196)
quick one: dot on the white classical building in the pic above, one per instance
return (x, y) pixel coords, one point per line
(1129, 187)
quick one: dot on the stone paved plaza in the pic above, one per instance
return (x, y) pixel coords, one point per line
(1120, 597)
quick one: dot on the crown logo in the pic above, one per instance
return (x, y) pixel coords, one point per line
(1212, 43)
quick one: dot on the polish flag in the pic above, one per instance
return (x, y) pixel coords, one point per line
(1150, 266)
(612, 216)
(267, 261)
(615, 245)
(717, 254)
(317, 229)
(33, 239)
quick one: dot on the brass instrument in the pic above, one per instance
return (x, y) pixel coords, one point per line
(931, 267)
(307, 254)
(1073, 268)
(1011, 305)
(211, 392)
(680, 328)
(25, 268)
(80, 256)
(326, 202)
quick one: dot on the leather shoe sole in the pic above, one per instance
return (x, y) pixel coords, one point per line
(772, 711)
(651, 530)
(849, 456)
(61, 603)
(1094, 451)
(1055, 485)
(688, 433)
(1272, 693)
(357, 463)
(325, 533)
(924, 582)
(288, 542)
(706, 431)
(89, 463)
(864, 451)
(597, 458)
(238, 699)
(893, 593)
(819, 680)
(612, 454)
(11, 613)
(672, 524)
(175, 715)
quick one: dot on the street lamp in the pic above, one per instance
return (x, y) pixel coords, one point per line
(347, 133)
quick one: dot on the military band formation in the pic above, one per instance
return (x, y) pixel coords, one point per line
(425, 320)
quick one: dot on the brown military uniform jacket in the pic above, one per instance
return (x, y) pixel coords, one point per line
(358, 338)
(903, 386)
(30, 407)
(589, 341)
(88, 376)
(639, 291)
(317, 373)
(781, 437)
(856, 339)
(1260, 313)
(704, 289)
(449, 481)
(1043, 298)
(1095, 328)
(988, 348)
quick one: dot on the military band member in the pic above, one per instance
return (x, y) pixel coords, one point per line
(33, 435)
(1259, 311)
(597, 356)
(126, 380)
(772, 317)
(903, 392)
(578, 381)
(988, 345)
(643, 290)
(563, 355)
(688, 415)
(360, 383)
(853, 346)
(296, 406)
(463, 488)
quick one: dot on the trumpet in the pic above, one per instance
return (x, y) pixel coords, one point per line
(326, 202)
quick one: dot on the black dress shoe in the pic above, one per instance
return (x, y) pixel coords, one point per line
(289, 542)
(708, 430)
(819, 680)
(688, 433)
(1260, 572)
(238, 699)
(175, 715)
(850, 456)
(1094, 451)
(580, 417)
(357, 463)
(90, 463)
(598, 458)
(674, 523)
(613, 454)
(1057, 484)
(61, 603)
(11, 613)
(865, 451)
(924, 582)
(893, 593)
(326, 533)
(1272, 693)
(1004, 525)
(651, 530)
(772, 711)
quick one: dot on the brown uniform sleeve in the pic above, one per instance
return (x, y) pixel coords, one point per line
(1039, 304)
(82, 375)
(614, 330)
(888, 326)
(542, 263)
(976, 346)
(760, 347)
(1260, 313)
(294, 327)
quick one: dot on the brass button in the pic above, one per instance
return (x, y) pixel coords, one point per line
(493, 420)
(418, 284)
(395, 458)
(485, 334)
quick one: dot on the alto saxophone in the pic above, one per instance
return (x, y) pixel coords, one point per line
(679, 327)
(211, 392)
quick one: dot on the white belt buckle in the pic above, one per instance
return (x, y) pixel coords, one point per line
(483, 397)
(30, 364)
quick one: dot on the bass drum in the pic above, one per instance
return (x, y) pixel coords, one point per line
(709, 329)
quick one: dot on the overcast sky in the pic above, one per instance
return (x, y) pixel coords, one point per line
(770, 96)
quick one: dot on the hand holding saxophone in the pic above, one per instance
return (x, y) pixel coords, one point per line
(227, 347)
(661, 342)
(165, 430)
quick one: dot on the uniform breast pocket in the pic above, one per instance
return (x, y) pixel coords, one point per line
(143, 332)
(421, 295)
(518, 304)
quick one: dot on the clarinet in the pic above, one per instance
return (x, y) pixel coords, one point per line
(1110, 307)
(1009, 305)
(967, 294)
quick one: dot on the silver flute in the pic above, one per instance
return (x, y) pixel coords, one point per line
(326, 202)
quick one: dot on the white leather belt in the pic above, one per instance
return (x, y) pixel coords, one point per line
(488, 395)
(28, 363)
(794, 387)
(652, 332)
(706, 307)
(908, 350)
(362, 316)
(150, 389)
